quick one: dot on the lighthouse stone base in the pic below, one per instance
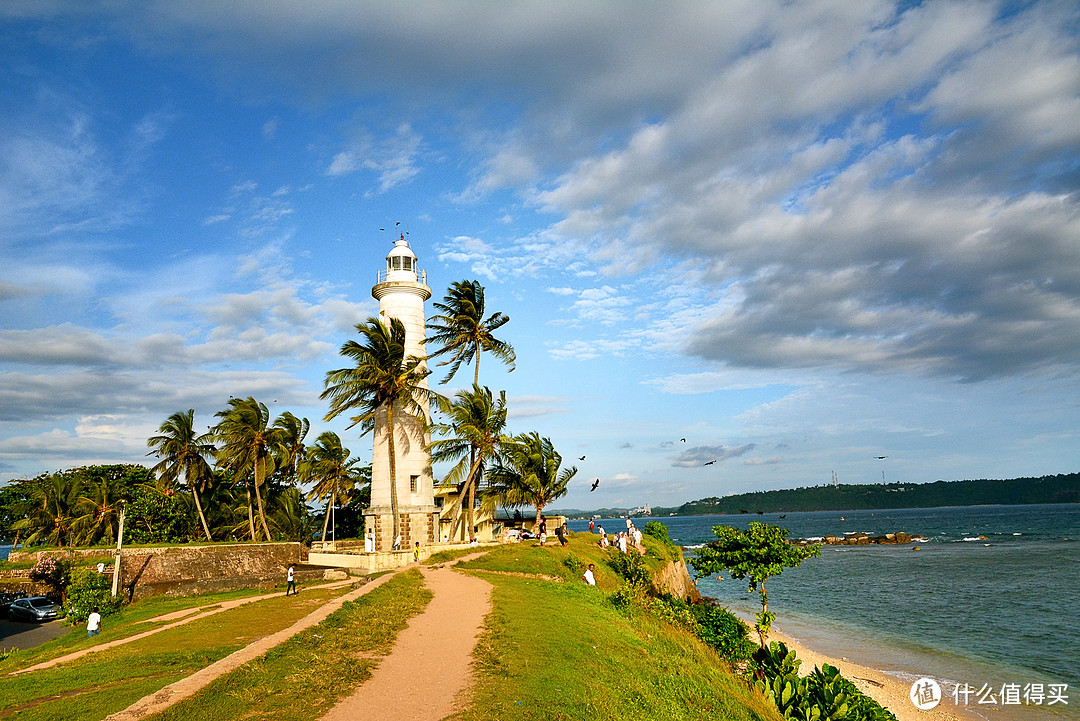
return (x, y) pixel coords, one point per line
(418, 524)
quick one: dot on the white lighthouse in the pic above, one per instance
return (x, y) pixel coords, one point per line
(401, 291)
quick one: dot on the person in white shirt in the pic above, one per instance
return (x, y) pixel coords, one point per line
(93, 624)
(588, 576)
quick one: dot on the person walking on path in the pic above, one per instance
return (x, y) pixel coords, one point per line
(292, 580)
(93, 624)
(542, 530)
(416, 552)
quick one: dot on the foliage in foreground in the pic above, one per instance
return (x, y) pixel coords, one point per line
(822, 695)
(757, 554)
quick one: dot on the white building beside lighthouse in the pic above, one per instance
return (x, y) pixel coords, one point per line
(401, 291)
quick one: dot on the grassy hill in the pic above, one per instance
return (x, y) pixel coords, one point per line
(553, 648)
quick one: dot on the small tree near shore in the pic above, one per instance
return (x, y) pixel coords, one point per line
(758, 553)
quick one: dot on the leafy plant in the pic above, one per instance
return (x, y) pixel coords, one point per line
(631, 567)
(53, 571)
(758, 553)
(658, 531)
(575, 564)
(719, 628)
(88, 590)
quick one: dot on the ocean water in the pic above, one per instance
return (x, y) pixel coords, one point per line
(993, 611)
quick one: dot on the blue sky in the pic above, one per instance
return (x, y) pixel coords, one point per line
(798, 236)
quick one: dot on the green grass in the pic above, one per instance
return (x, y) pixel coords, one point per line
(302, 678)
(563, 651)
(73, 690)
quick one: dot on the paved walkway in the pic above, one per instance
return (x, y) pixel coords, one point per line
(437, 644)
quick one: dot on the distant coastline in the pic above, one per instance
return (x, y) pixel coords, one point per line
(1061, 488)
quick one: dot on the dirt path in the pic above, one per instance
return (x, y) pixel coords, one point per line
(437, 644)
(186, 615)
(185, 687)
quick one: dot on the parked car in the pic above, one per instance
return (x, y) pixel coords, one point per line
(36, 608)
(6, 599)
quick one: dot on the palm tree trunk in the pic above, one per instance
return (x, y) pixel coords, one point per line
(258, 499)
(393, 471)
(474, 468)
(202, 518)
(251, 512)
(326, 521)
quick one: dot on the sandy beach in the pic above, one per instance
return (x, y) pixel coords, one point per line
(889, 691)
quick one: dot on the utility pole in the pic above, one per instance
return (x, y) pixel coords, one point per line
(119, 544)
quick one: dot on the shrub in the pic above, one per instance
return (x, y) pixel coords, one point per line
(575, 564)
(88, 590)
(673, 610)
(627, 596)
(52, 570)
(719, 628)
(631, 566)
(658, 531)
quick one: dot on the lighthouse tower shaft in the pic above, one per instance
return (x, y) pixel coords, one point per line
(401, 291)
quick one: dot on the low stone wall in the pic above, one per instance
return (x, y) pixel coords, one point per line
(186, 570)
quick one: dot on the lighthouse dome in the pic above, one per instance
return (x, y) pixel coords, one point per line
(401, 262)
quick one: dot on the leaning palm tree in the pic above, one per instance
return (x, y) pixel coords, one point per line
(383, 382)
(248, 445)
(530, 475)
(328, 465)
(183, 452)
(461, 329)
(474, 437)
(293, 432)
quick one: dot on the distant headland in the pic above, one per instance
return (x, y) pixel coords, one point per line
(1062, 488)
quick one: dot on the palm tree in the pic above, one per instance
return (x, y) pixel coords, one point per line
(333, 472)
(383, 381)
(183, 452)
(293, 432)
(248, 446)
(99, 508)
(474, 437)
(462, 330)
(530, 475)
(50, 511)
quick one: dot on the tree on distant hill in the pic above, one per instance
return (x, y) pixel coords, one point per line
(383, 380)
(758, 553)
(184, 452)
(474, 438)
(461, 330)
(529, 475)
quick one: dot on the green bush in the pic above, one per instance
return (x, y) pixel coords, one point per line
(626, 597)
(658, 531)
(52, 570)
(720, 629)
(575, 564)
(631, 566)
(673, 610)
(823, 695)
(88, 590)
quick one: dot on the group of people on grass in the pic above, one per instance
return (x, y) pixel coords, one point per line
(624, 541)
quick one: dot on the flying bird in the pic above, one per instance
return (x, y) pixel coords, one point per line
(881, 458)
(594, 485)
(581, 458)
(683, 440)
(784, 516)
(709, 463)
